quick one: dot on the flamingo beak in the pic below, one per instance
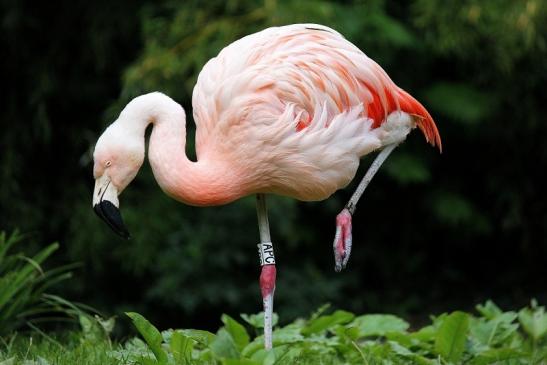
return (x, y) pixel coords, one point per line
(106, 204)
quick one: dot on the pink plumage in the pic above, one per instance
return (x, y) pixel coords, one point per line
(288, 110)
(297, 106)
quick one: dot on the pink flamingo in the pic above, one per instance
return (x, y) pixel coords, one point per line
(288, 110)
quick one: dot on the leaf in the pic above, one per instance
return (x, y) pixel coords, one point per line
(489, 309)
(91, 330)
(223, 346)
(379, 324)
(323, 323)
(257, 320)
(425, 334)
(289, 334)
(497, 355)
(181, 346)
(202, 337)
(450, 341)
(398, 349)
(150, 334)
(106, 324)
(236, 330)
(492, 332)
(534, 321)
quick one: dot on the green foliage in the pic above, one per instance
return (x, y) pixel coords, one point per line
(493, 336)
(478, 66)
(151, 335)
(23, 285)
(490, 337)
(70, 348)
(451, 336)
(465, 29)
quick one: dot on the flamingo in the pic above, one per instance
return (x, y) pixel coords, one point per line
(288, 110)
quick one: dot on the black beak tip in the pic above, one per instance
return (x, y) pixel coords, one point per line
(110, 214)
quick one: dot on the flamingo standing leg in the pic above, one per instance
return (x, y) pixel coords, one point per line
(342, 239)
(267, 261)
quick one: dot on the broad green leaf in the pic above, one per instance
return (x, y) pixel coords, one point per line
(401, 338)
(292, 355)
(207, 356)
(425, 334)
(181, 347)
(151, 335)
(289, 334)
(495, 331)
(256, 345)
(257, 320)
(451, 336)
(203, 338)
(497, 355)
(275, 355)
(379, 324)
(236, 330)
(534, 321)
(223, 346)
(489, 309)
(352, 333)
(323, 323)
(398, 349)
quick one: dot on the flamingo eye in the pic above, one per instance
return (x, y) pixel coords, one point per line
(108, 163)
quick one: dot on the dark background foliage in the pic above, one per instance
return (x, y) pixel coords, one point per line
(433, 232)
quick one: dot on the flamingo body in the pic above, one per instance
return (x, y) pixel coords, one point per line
(292, 109)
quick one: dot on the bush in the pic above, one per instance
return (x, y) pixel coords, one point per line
(492, 336)
(23, 285)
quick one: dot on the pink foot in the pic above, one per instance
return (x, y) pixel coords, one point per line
(342, 240)
(267, 280)
(267, 287)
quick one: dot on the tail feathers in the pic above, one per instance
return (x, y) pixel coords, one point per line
(424, 120)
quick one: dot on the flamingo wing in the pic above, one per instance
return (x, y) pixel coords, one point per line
(300, 104)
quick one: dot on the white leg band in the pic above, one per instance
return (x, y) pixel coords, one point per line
(266, 253)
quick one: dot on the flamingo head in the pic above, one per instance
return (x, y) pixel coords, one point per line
(118, 155)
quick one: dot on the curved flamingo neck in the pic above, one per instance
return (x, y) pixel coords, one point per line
(200, 183)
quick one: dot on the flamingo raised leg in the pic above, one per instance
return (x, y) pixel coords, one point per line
(342, 238)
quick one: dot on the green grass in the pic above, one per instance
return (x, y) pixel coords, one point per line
(490, 336)
(24, 284)
(69, 349)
